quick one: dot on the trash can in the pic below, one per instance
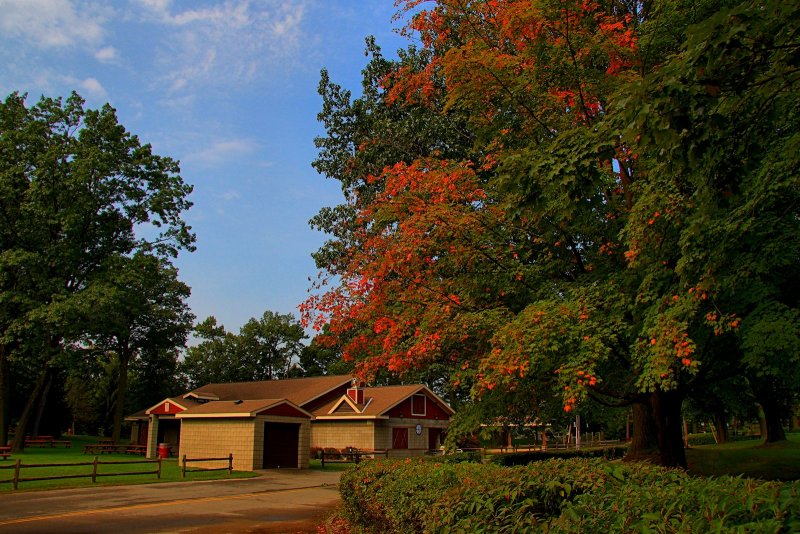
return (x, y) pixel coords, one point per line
(163, 450)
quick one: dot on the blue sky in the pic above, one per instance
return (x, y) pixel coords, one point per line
(229, 89)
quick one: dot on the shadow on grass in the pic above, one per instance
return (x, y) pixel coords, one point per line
(753, 459)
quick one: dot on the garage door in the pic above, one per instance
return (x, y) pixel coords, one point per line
(281, 445)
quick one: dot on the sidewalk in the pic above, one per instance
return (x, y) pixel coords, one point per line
(53, 502)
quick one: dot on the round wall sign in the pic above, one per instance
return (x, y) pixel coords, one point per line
(419, 429)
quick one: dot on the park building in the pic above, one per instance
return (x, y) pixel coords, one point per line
(279, 423)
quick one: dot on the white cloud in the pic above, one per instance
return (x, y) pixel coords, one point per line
(225, 44)
(231, 194)
(89, 87)
(51, 23)
(106, 54)
(222, 151)
(93, 87)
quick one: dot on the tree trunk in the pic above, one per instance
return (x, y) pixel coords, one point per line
(666, 407)
(772, 421)
(24, 419)
(37, 421)
(5, 395)
(644, 442)
(657, 435)
(122, 390)
(762, 422)
(721, 426)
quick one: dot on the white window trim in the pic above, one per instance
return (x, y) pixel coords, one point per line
(424, 404)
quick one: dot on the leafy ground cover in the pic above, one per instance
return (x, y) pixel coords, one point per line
(170, 469)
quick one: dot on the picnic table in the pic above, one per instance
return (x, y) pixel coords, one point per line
(46, 441)
(5, 452)
(108, 446)
(103, 445)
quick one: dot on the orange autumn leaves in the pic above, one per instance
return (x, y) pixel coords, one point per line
(533, 58)
(406, 287)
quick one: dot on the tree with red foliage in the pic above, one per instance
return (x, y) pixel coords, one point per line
(555, 255)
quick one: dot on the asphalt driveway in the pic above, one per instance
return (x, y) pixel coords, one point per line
(277, 501)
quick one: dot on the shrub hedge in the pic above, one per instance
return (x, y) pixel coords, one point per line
(708, 439)
(574, 495)
(524, 458)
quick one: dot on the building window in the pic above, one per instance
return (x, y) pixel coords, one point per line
(418, 404)
(399, 438)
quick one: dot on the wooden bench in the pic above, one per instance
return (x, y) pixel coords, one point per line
(135, 449)
(351, 456)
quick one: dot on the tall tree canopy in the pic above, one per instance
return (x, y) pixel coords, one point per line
(76, 190)
(265, 349)
(600, 237)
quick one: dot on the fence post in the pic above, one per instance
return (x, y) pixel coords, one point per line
(323, 459)
(16, 473)
(183, 467)
(158, 473)
(230, 463)
(94, 470)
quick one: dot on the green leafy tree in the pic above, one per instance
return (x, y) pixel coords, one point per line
(267, 347)
(212, 360)
(75, 190)
(264, 349)
(137, 305)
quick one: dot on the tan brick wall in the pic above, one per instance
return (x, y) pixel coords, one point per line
(216, 438)
(417, 445)
(152, 437)
(341, 434)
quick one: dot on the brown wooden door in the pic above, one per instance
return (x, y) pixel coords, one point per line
(433, 438)
(399, 438)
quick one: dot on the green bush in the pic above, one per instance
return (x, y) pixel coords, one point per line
(671, 501)
(576, 495)
(708, 439)
(457, 458)
(524, 458)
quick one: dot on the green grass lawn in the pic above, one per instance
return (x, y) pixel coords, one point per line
(170, 470)
(779, 461)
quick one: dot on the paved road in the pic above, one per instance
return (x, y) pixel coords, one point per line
(278, 501)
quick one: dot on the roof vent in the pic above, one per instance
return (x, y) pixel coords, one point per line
(239, 401)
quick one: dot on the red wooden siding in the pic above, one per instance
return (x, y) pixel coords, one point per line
(432, 410)
(286, 410)
(167, 407)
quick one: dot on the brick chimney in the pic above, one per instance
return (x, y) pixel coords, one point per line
(356, 392)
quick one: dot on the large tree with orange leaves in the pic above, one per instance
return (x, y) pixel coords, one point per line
(559, 251)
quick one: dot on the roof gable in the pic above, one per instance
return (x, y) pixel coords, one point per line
(380, 402)
(170, 406)
(300, 391)
(244, 408)
(345, 405)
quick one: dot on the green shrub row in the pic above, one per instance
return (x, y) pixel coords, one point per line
(708, 439)
(575, 495)
(524, 458)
